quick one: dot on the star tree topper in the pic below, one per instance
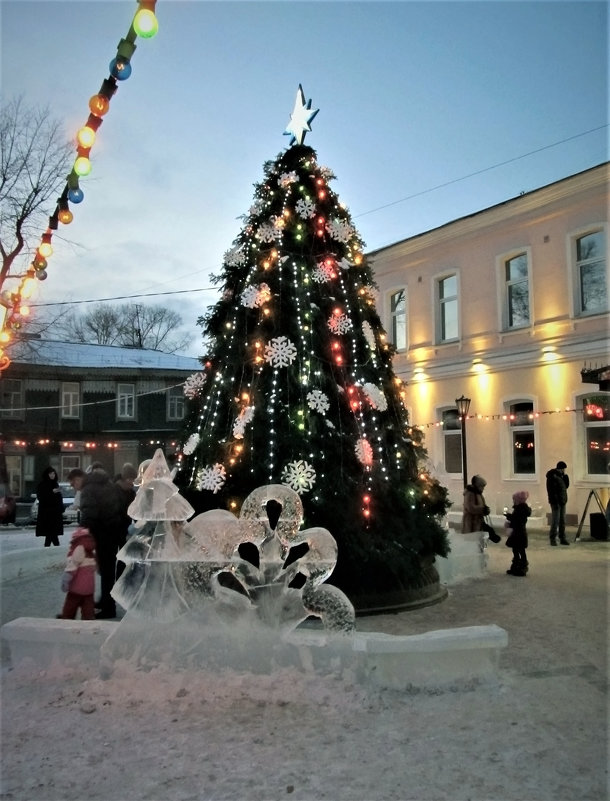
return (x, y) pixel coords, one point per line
(300, 118)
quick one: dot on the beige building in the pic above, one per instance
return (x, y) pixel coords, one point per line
(506, 307)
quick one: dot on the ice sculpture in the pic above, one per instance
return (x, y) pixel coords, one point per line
(240, 583)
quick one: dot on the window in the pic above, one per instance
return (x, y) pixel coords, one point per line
(523, 443)
(175, 403)
(125, 401)
(12, 399)
(398, 319)
(452, 441)
(70, 400)
(591, 273)
(517, 296)
(69, 462)
(596, 418)
(447, 308)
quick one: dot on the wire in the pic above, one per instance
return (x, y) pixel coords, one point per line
(479, 172)
(124, 297)
(96, 403)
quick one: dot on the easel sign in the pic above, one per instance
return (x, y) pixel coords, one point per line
(594, 494)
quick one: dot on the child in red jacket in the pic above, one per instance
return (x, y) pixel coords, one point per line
(78, 579)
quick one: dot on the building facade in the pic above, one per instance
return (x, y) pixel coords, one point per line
(67, 405)
(509, 307)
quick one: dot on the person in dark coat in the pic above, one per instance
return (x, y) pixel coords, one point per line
(101, 512)
(127, 492)
(50, 520)
(557, 483)
(517, 539)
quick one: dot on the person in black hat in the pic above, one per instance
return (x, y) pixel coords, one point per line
(557, 483)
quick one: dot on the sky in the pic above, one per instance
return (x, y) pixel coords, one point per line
(428, 111)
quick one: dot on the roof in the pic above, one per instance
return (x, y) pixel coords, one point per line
(75, 354)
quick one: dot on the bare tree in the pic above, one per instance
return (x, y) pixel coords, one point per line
(34, 162)
(128, 325)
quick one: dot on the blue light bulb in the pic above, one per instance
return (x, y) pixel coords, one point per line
(120, 69)
(75, 195)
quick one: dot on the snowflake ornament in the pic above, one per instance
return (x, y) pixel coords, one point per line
(235, 256)
(339, 323)
(326, 173)
(287, 178)
(324, 271)
(318, 401)
(280, 352)
(191, 444)
(256, 295)
(267, 232)
(345, 264)
(211, 478)
(376, 397)
(299, 476)
(193, 385)
(340, 230)
(305, 208)
(364, 452)
(369, 334)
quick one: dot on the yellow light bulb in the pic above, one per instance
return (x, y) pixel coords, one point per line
(86, 137)
(45, 250)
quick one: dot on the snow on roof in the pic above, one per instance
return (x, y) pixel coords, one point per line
(73, 354)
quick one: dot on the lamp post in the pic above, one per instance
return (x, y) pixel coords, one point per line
(463, 405)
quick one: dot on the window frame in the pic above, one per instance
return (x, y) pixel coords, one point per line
(123, 397)
(70, 400)
(14, 410)
(175, 397)
(514, 429)
(450, 433)
(504, 284)
(587, 425)
(441, 303)
(393, 316)
(576, 268)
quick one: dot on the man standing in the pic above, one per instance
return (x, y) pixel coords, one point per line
(101, 511)
(557, 483)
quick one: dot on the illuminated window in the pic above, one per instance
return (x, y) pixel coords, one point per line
(596, 421)
(125, 401)
(398, 319)
(591, 276)
(447, 309)
(175, 403)
(522, 436)
(452, 441)
(11, 394)
(70, 400)
(517, 294)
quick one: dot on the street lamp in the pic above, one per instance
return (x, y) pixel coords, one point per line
(463, 405)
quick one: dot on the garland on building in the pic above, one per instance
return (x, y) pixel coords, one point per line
(13, 310)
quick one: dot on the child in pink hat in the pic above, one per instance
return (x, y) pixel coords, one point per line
(517, 540)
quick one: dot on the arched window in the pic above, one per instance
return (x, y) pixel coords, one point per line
(596, 422)
(522, 437)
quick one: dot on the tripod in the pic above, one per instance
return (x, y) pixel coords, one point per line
(592, 494)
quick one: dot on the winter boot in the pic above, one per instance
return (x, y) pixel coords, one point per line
(553, 540)
(563, 541)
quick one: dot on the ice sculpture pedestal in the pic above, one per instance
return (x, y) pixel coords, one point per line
(448, 658)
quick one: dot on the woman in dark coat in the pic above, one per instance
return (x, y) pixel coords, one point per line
(50, 521)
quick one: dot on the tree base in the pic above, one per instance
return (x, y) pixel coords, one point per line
(426, 592)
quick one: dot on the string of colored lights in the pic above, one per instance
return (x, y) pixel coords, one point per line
(13, 310)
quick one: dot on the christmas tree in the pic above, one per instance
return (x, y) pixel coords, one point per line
(297, 386)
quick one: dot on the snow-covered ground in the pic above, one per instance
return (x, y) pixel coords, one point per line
(538, 734)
